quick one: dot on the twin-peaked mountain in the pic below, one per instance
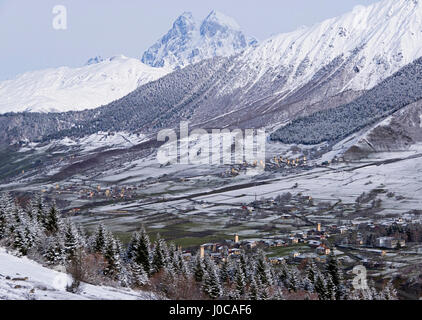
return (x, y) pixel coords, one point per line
(188, 42)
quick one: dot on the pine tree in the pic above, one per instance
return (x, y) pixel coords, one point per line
(172, 262)
(240, 282)
(139, 277)
(333, 272)
(263, 270)
(99, 243)
(5, 208)
(284, 273)
(212, 285)
(198, 269)
(333, 269)
(320, 287)
(160, 255)
(132, 247)
(311, 272)
(19, 242)
(293, 280)
(243, 260)
(182, 265)
(253, 290)
(52, 221)
(307, 285)
(331, 289)
(29, 236)
(263, 290)
(54, 253)
(70, 241)
(3, 224)
(144, 251)
(112, 257)
(224, 271)
(41, 212)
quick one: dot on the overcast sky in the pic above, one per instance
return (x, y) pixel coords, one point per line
(111, 27)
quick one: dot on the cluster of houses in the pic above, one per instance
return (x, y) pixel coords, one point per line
(95, 191)
(280, 161)
(233, 248)
(237, 169)
(315, 239)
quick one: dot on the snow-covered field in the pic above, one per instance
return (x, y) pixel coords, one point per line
(23, 279)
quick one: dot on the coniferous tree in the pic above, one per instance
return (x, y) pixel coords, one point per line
(19, 242)
(240, 282)
(263, 290)
(311, 272)
(3, 224)
(212, 285)
(132, 247)
(333, 272)
(263, 270)
(160, 255)
(99, 243)
(243, 260)
(144, 251)
(284, 273)
(253, 290)
(41, 211)
(182, 265)
(71, 244)
(320, 286)
(224, 271)
(112, 257)
(330, 288)
(54, 253)
(293, 280)
(198, 269)
(139, 277)
(52, 221)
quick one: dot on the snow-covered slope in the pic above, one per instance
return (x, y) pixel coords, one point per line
(382, 38)
(23, 279)
(65, 89)
(187, 42)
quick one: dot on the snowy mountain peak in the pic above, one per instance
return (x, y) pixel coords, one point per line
(94, 60)
(187, 43)
(184, 24)
(217, 21)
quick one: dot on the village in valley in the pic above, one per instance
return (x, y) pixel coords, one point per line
(383, 245)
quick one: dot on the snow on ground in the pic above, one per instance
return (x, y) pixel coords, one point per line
(90, 143)
(23, 279)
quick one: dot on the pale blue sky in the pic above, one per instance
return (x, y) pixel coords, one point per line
(111, 27)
